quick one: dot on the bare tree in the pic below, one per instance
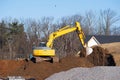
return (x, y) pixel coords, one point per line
(89, 23)
(108, 18)
(116, 30)
(46, 26)
(99, 27)
(39, 30)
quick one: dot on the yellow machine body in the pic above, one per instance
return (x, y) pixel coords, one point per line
(43, 52)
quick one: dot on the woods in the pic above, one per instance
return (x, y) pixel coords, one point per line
(18, 36)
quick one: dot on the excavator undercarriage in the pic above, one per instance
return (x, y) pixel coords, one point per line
(41, 59)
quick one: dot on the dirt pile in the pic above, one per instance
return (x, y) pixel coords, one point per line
(8, 66)
(99, 57)
(42, 70)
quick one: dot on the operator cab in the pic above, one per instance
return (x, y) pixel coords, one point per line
(42, 44)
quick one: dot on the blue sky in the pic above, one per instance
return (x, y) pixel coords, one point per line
(56, 8)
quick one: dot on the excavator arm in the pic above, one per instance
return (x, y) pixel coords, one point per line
(64, 31)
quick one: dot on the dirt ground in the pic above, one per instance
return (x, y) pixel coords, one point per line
(42, 70)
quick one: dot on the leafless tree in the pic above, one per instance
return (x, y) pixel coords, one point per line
(47, 26)
(89, 23)
(33, 30)
(115, 30)
(108, 18)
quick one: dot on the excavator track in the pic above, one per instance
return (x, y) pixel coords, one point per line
(41, 59)
(49, 59)
(55, 59)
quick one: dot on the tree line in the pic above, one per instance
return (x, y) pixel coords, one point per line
(18, 36)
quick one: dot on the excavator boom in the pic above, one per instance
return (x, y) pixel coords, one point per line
(65, 30)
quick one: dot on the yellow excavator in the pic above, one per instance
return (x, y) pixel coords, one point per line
(45, 51)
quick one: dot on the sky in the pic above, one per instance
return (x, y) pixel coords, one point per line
(53, 8)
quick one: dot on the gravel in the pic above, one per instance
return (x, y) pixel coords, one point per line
(94, 73)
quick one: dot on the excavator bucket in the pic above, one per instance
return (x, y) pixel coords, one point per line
(88, 51)
(92, 42)
(85, 52)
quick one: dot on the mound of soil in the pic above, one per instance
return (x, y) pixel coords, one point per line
(99, 57)
(42, 70)
(8, 66)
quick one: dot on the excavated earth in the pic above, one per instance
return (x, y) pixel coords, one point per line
(99, 57)
(42, 70)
